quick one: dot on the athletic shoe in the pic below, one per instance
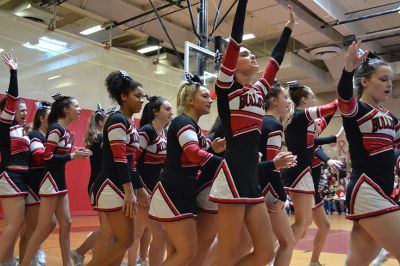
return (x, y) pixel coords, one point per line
(382, 257)
(315, 264)
(76, 258)
(41, 257)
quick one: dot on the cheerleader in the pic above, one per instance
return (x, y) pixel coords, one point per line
(117, 184)
(156, 116)
(318, 213)
(277, 105)
(174, 197)
(240, 106)
(37, 140)
(372, 132)
(53, 189)
(14, 166)
(299, 136)
(93, 142)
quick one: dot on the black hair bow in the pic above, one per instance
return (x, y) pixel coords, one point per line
(192, 79)
(57, 96)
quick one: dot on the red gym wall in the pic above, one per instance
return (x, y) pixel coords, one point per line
(77, 171)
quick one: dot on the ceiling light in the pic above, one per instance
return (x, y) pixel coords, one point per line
(54, 77)
(248, 36)
(91, 30)
(29, 5)
(1, 50)
(148, 49)
(46, 44)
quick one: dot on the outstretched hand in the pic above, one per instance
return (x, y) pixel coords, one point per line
(353, 59)
(10, 61)
(292, 18)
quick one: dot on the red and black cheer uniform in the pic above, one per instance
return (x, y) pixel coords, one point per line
(174, 197)
(151, 156)
(270, 180)
(120, 141)
(240, 107)
(372, 132)
(36, 168)
(56, 154)
(299, 136)
(95, 163)
(14, 146)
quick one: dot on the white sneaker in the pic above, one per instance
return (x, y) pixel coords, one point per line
(41, 257)
(315, 264)
(382, 257)
(76, 258)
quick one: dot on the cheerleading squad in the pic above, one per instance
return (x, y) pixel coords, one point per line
(186, 188)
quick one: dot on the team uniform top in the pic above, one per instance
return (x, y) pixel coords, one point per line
(36, 166)
(37, 141)
(151, 155)
(120, 141)
(270, 146)
(319, 155)
(300, 133)
(14, 145)
(95, 159)
(372, 133)
(186, 148)
(56, 155)
(240, 107)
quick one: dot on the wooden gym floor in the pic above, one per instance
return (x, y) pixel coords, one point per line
(334, 252)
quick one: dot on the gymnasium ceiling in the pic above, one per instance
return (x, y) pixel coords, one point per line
(316, 54)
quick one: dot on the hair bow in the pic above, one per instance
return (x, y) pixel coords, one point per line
(294, 85)
(100, 108)
(42, 105)
(218, 57)
(111, 110)
(192, 79)
(57, 96)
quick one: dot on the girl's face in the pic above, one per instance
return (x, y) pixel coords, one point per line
(283, 103)
(43, 120)
(73, 111)
(379, 85)
(247, 63)
(309, 101)
(165, 113)
(133, 100)
(201, 101)
(21, 114)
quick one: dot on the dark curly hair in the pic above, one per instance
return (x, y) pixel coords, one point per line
(119, 82)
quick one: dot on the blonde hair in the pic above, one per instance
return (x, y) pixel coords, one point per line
(186, 90)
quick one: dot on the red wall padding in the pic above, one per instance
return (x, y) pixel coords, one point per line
(77, 171)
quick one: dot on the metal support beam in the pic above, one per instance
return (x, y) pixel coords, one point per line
(332, 24)
(167, 14)
(166, 33)
(148, 12)
(223, 17)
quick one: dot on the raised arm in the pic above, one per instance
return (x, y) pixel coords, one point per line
(229, 61)
(8, 114)
(277, 54)
(348, 104)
